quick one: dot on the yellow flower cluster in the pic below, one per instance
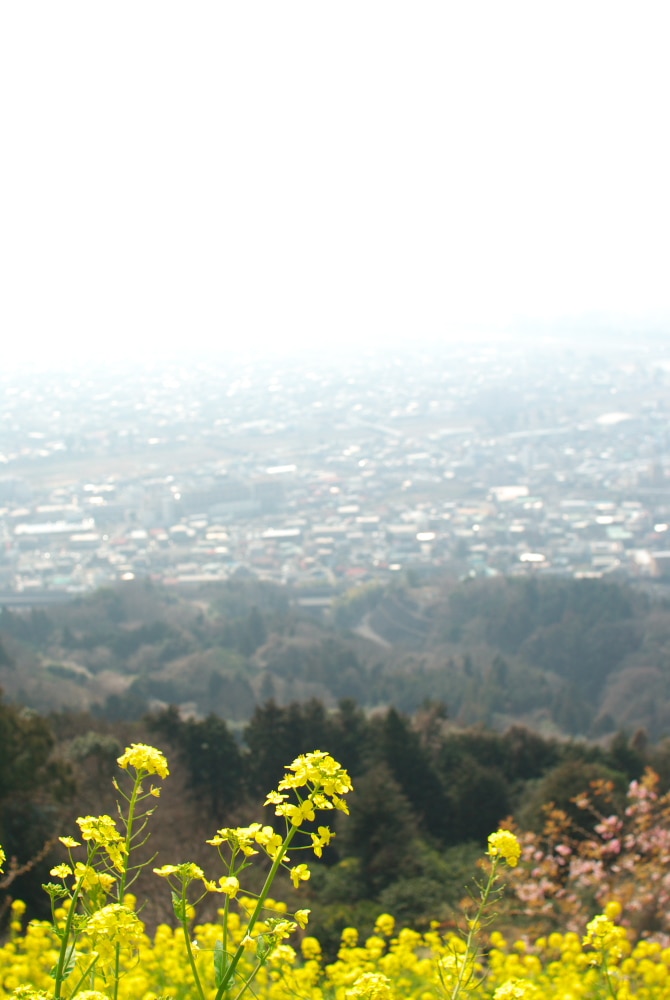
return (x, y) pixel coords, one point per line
(111, 926)
(243, 838)
(86, 876)
(604, 936)
(324, 780)
(388, 965)
(504, 844)
(516, 989)
(318, 770)
(144, 759)
(186, 872)
(229, 885)
(371, 986)
(385, 924)
(100, 831)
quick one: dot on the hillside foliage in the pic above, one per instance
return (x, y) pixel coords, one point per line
(561, 656)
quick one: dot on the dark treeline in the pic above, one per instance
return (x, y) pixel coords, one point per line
(458, 783)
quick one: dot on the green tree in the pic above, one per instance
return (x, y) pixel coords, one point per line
(564, 783)
(399, 747)
(211, 756)
(34, 784)
(380, 831)
(276, 735)
(5, 659)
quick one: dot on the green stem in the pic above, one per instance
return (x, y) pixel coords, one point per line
(471, 951)
(608, 980)
(189, 949)
(249, 980)
(132, 803)
(257, 910)
(83, 976)
(67, 930)
(226, 908)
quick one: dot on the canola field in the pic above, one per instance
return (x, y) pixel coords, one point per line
(601, 963)
(605, 898)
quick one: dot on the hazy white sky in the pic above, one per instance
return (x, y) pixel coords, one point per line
(244, 174)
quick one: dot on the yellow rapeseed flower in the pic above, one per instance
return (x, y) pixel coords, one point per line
(166, 870)
(69, 842)
(515, 989)
(61, 871)
(613, 909)
(185, 873)
(101, 830)
(299, 874)
(114, 925)
(144, 758)
(371, 986)
(228, 885)
(269, 840)
(321, 839)
(602, 934)
(280, 928)
(311, 948)
(239, 838)
(319, 771)
(296, 814)
(385, 924)
(503, 844)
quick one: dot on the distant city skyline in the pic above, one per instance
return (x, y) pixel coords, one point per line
(255, 178)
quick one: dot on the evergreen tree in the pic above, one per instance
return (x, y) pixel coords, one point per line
(211, 756)
(411, 766)
(380, 830)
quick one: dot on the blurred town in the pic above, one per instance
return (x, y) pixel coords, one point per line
(474, 461)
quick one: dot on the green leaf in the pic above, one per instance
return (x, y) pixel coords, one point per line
(265, 945)
(71, 956)
(179, 907)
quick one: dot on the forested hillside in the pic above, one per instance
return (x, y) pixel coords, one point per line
(561, 656)
(452, 706)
